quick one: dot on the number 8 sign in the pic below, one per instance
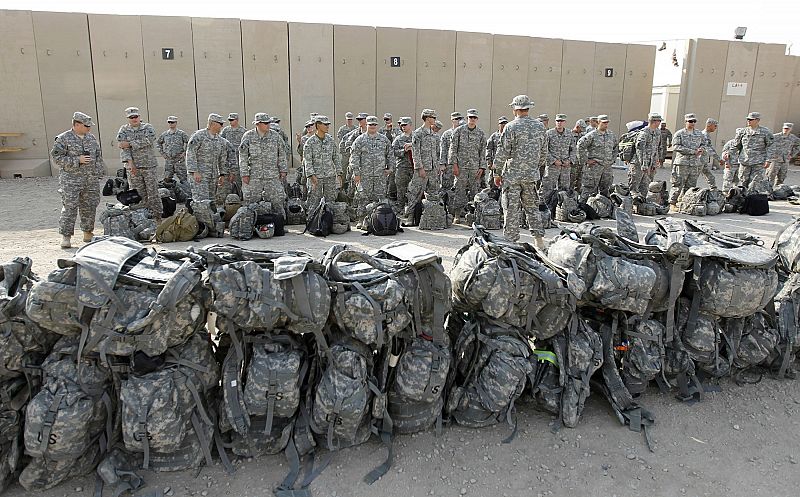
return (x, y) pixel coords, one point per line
(394, 61)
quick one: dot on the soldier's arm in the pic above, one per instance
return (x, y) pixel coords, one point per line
(737, 141)
(160, 145)
(504, 149)
(415, 151)
(191, 154)
(482, 151)
(337, 160)
(452, 150)
(640, 146)
(490, 149)
(544, 153)
(573, 145)
(308, 158)
(282, 167)
(397, 148)
(223, 164)
(680, 147)
(355, 158)
(769, 141)
(61, 155)
(583, 148)
(244, 158)
(125, 154)
(387, 152)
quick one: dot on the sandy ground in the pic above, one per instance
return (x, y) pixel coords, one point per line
(742, 441)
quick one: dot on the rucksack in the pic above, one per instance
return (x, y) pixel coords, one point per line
(275, 220)
(434, 213)
(782, 192)
(488, 212)
(755, 204)
(343, 213)
(168, 203)
(129, 197)
(734, 200)
(602, 205)
(242, 223)
(320, 221)
(567, 208)
(658, 192)
(232, 204)
(295, 212)
(180, 227)
(381, 220)
(715, 202)
(627, 146)
(694, 202)
(116, 221)
(787, 244)
(209, 216)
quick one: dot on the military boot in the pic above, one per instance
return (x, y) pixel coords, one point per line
(65, 242)
(87, 236)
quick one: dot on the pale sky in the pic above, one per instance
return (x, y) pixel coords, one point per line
(598, 20)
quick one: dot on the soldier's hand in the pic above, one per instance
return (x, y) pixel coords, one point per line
(283, 176)
(124, 144)
(84, 159)
(558, 162)
(357, 179)
(313, 179)
(766, 165)
(134, 169)
(422, 173)
(406, 147)
(245, 179)
(386, 172)
(479, 174)
(456, 170)
(498, 181)
(221, 181)
(197, 177)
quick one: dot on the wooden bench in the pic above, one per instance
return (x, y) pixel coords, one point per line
(9, 134)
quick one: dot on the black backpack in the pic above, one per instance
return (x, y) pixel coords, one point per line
(129, 197)
(275, 219)
(320, 221)
(108, 188)
(382, 221)
(168, 206)
(756, 204)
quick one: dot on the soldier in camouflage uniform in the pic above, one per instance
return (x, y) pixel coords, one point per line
(388, 128)
(425, 154)
(494, 141)
(136, 141)
(755, 144)
(689, 149)
(647, 146)
(786, 148)
(545, 120)
(578, 132)
(597, 152)
(345, 128)
(516, 169)
(207, 159)
(730, 175)
(446, 177)
(172, 147)
(666, 142)
(561, 155)
(711, 155)
(262, 164)
(80, 161)
(467, 153)
(275, 125)
(390, 133)
(403, 166)
(233, 133)
(322, 163)
(371, 161)
(593, 123)
(344, 149)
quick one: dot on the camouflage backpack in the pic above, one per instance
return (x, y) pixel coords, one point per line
(787, 244)
(782, 192)
(487, 211)
(295, 212)
(602, 205)
(694, 202)
(622, 202)
(434, 213)
(232, 204)
(11, 447)
(209, 216)
(787, 308)
(734, 200)
(643, 352)
(754, 338)
(42, 473)
(164, 411)
(515, 284)
(643, 207)
(702, 338)
(567, 209)
(341, 217)
(116, 221)
(242, 223)
(584, 356)
(658, 193)
(715, 202)
(179, 227)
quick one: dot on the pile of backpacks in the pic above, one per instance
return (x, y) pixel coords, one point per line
(127, 358)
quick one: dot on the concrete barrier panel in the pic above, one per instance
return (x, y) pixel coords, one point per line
(787, 79)
(793, 114)
(768, 78)
(436, 76)
(21, 111)
(509, 74)
(576, 78)
(119, 76)
(65, 71)
(354, 74)
(637, 84)
(396, 71)
(609, 65)
(741, 62)
(473, 84)
(544, 77)
(169, 71)
(217, 67)
(703, 79)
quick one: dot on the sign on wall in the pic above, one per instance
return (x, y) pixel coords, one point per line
(737, 89)
(394, 61)
(168, 53)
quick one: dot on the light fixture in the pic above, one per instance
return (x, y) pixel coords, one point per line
(739, 32)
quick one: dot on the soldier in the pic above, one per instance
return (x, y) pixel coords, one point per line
(689, 148)
(308, 132)
(262, 164)
(344, 149)
(388, 128)
(172, 147)
(446, 179)
(578, 132)
(301, 176)
(345, 128)
(275, 125)
(593, 123)
(597, 151)
(545, 120)
(730, 176)
(711, 155)
(561, 155)
(494, 141)
(404, 164)
(207, 159)
(322, 163)
(516, 170)
(233, 133)
(786, 148)
(755, 146)
(437, 128)
(371, 161)
(425, 154)
(466, 153)
(80, 161)
(136, 141)
(666, 141)
(645, 160)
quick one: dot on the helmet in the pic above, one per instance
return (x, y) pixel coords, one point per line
(265, 230)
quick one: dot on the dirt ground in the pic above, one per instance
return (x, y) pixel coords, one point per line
(742, 441)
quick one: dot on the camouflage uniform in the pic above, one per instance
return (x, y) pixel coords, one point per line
(206, 154)
(560, 146)
(444, 156)
(321, 159)
(468, 150)
(172, 147)
(371, 159)
(685, 163)
(709, 156)
(345, 148)
(754, 146)
(576, 169)
(666, 142)
(425, 153)
(491, 148)
(730, 176)
(645, 160)
(263, 159)
(600, 147)
(403, 167)
(142, 153)
(233, 135)
(390, 134)
(344, 130)
(79, 183)
(785, 150)
(522, 150)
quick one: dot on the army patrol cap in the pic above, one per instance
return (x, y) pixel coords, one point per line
(593, 118)
(348, 115)
(544, 117)
(521, 102)
(372, 120)
(561, 117)
(310, 122)
(132, 112)
(580, 123)
(502, 120)
(654, 116)
(788, 125)
(455, 116)
(261, 117)
(711, 120)
(172, 119)
(361, 116)
(438, 124)
(472, 113)
(82, 118)
(754, 115)
(688, 117)
(313, 115)
(603, 118)
(387, 116)
(216, 118)
(403, 121)
(275, 119)
(322, 120)
(429, 113)
(233, 115)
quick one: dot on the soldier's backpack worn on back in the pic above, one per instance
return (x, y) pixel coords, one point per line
(627, 146)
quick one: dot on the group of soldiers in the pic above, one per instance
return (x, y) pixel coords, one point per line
(525, 158)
